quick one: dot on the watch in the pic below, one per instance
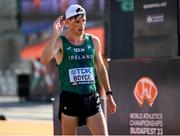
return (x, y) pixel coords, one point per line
(109, 93)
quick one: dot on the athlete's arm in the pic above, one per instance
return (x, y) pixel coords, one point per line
(102, 74)
(54, 44)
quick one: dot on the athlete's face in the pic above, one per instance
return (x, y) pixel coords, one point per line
(77, 25)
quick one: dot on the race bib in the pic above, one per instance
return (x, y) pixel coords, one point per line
(78, 75)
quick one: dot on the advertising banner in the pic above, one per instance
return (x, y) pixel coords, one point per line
(147, 95)
(155, 28)
(155, 17)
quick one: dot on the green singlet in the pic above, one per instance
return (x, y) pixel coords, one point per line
(77, 70)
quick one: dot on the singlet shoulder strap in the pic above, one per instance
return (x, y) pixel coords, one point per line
(88, 39)
(63, 38)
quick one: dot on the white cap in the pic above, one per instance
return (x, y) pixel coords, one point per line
(74, 10)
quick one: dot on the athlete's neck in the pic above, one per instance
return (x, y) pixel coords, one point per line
(75, 39)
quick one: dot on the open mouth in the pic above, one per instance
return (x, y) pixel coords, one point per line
(81, 29)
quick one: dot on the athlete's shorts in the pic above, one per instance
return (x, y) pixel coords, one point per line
(79, 105)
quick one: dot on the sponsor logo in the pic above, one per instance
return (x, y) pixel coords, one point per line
(89, 47)
(155, 5)
(145, 89)
(78, 75)
(158, 18)
(79, 49)
(68, 48)
(65, 108)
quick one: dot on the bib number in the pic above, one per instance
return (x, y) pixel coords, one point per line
(81, 75)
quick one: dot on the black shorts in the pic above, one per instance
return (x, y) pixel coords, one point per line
(79, 105)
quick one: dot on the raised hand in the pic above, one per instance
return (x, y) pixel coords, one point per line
(58, 26)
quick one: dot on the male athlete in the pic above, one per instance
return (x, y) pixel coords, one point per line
(78, 57)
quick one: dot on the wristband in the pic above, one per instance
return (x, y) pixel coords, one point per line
(109, 93)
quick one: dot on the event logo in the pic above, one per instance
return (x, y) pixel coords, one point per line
(145, 89)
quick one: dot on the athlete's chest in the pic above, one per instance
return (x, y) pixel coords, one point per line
(85, 52)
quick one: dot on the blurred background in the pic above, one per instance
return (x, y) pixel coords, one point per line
(25, 27)
(26, 86)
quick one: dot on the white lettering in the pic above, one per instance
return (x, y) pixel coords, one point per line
(146, 123)
(142, 131)
(81, 74)
(80, 57)
(155, 5)
(79, 49)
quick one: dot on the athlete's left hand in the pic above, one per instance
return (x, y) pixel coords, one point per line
(111, 104)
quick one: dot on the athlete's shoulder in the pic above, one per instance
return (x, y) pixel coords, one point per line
(94, 38)
(61, 37)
